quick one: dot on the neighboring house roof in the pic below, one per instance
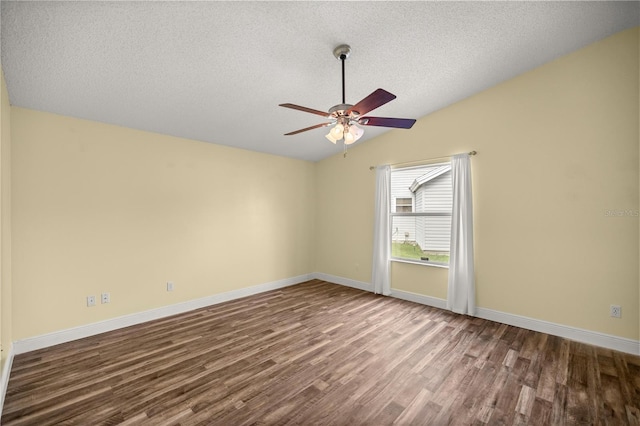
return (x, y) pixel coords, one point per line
(430, 175)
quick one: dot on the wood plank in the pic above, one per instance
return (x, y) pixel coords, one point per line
(322, 354)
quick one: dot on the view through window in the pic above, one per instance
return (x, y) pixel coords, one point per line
(421, 203)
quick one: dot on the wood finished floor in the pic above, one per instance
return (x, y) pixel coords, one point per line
(323, 354)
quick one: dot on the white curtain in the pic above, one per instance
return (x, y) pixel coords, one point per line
(380, 275)
(461, 295)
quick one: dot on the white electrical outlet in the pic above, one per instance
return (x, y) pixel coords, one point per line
(615, 311)
(91, 301)
(170, 286)
(106, 298)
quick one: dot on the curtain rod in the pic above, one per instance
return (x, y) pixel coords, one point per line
(425, 159)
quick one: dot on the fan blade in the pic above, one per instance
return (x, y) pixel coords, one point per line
(376, 99)
(295, 132)
(400, 123)
(305, 109)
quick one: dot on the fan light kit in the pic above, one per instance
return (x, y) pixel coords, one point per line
(345, 117)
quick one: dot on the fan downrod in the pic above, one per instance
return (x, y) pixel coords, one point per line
(342, 52)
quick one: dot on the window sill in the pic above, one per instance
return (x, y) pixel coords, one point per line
(416, 262)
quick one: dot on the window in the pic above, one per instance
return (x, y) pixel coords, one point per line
(421, 216)
(404, 205)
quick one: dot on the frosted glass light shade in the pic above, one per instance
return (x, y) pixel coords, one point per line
(337, 131)
(354, 134)
(348, 138)
(331, 138)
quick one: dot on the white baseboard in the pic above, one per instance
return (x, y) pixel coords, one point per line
(621, 344)
(360, 285)
(419, 298)
(591, 337)
(68, 335)
(608, 341)
(4, 378)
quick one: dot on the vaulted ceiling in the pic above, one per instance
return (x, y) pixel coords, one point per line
(216, 71)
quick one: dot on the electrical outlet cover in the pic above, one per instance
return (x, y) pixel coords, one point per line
(91, 301)
(616, 311)
(106, 298)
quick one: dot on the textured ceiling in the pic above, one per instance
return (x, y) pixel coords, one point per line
(216, 71)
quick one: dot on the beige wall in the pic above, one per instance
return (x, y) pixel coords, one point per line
(5, 223)
(557, 149)
(104, 208)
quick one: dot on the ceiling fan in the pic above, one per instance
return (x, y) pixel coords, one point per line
(346, 116)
